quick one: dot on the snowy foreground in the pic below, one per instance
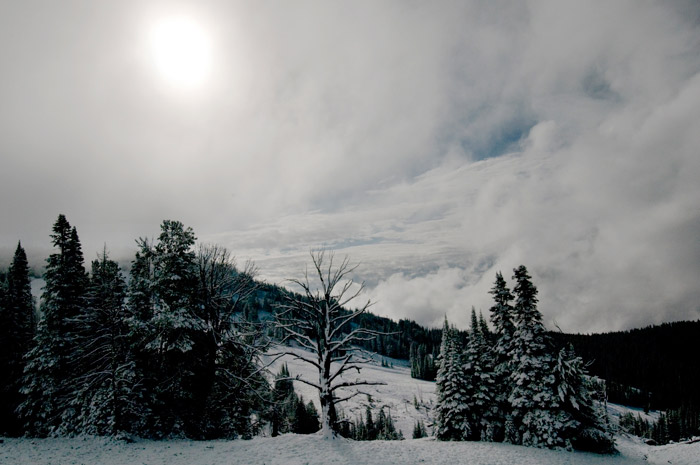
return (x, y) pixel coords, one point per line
(294, 449)
(396, 397)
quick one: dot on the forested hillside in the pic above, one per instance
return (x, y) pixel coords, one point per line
(654, 367)
(661, 362)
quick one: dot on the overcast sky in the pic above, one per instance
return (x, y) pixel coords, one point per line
(435, 143)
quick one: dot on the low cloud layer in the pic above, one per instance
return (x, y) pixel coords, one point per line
(434, 143)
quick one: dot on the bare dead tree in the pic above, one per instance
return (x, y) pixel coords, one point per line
(317, 321)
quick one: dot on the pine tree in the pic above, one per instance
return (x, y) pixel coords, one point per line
(479, 367)
(109, 394)
(139, 310)
(172, 329)
(422, 364)
(660, 430)
(284, 403)
(502, 319)
(307, 420)
(369, 424)
(414, 361)
(17, 325)
(537, 415)
(141, 296)
(451, 409)
(419, 430)
(484, 329)
(381, 425)
(50, 371)
(175, 285)
(200, 358)
(584, 420)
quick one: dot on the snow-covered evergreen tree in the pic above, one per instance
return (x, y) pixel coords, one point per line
(50, 371)
(199, 359)
(537, 416)
(175, 284)
(504, 328)
(485, 330)
(164, 294)
(451, 409)
(140, 294)
(587, 426)
(284, 403)
(478, 368)
(108, 394)
(17, 324)
(163, 324)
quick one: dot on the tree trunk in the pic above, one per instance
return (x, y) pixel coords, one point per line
(328, 416)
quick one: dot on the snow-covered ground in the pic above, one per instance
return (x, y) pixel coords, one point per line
(616, 411)
(294, 449)
(396, 396)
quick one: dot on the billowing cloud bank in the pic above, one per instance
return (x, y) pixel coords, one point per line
(436, 143)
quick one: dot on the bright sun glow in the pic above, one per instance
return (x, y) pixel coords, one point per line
(181, 52)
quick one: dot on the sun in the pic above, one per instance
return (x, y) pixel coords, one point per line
(181, 52)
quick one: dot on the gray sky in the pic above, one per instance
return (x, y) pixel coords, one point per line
(435, 143)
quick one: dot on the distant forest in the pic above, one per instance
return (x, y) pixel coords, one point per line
(656, 367)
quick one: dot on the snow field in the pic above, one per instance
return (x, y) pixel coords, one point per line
(292, 449)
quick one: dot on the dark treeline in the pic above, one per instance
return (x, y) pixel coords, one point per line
(371, 428)
(654, 367)
(673, 425)
(289, 413)
(17, 326)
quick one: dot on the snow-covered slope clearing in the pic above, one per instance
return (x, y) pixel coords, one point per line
(396, 396)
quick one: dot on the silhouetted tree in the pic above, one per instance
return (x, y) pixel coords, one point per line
(318, 322)
(17, 324)
(50, 372)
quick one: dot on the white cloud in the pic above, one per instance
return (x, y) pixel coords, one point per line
(435, 143)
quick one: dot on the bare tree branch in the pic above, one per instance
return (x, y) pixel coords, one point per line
(316, 319)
